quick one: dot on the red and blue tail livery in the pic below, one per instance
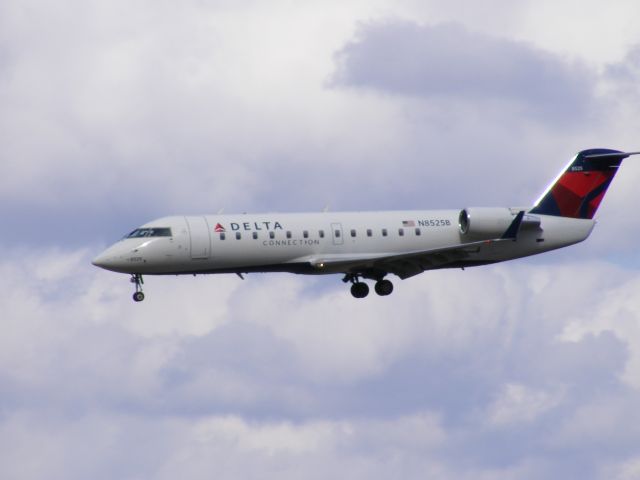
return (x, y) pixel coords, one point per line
(578, 190)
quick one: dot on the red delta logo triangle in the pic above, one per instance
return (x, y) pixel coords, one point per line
(218, 228)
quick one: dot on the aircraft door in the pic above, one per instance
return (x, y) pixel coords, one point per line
(336, 233)
(200, 236)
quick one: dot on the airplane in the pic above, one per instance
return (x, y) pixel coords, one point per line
(369, 245)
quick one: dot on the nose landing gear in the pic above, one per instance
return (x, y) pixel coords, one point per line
(136, 279)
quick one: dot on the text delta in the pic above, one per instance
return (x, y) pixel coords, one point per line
(248, 226)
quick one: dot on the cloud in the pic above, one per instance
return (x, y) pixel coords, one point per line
(196, 108)
(277, 385)
(117, 113)
(449, 61)
(95, 128)
(518, 403)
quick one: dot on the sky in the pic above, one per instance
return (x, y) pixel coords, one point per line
(116, 113)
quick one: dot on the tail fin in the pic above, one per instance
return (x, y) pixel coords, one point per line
(579, 189)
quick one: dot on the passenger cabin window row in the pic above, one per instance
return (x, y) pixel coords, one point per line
(166, 232)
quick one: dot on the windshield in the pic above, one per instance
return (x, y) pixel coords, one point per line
(150, 232)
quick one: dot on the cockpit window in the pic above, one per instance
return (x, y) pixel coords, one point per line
(150, 232)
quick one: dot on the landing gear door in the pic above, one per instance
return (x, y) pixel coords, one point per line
(200, 236)
(336, 233)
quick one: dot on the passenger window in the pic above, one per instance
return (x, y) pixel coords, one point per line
(384, 232)
(401, 232)
(222, 236)
(305, 234)
(255, 235)
(238, 235)
(418, 232)
(321, 233)
(337, 233)
(353, 233)
(272, 235)
(369, 232)
(288, 234)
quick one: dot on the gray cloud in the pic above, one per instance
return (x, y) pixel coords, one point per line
(449, 61)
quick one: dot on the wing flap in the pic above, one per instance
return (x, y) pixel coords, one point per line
(403, 265)
(414, 263)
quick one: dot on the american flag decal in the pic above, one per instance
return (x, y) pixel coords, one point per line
(408, 223)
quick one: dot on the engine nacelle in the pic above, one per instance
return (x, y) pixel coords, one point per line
(480, 222)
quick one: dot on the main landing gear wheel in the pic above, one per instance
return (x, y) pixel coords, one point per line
(383, 287)
(136, 279)
(359, 289)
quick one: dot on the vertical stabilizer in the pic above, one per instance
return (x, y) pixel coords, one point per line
(579, 189)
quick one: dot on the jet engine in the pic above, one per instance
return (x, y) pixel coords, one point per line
(480, 222)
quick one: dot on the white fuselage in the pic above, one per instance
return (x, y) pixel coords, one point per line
(299, 242)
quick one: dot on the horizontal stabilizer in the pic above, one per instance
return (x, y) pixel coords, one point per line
(612, 155)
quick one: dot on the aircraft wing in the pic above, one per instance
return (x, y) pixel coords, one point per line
(412, 263)
(408, 264)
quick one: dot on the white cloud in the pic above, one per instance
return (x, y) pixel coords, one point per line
(201, 107)
(628, 470)
(521, 404)
(617, 311)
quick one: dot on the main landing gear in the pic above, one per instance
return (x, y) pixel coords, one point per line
(136, 279)
(383, 287)
(359, 289)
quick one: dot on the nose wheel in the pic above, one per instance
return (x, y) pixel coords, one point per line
(137, 280)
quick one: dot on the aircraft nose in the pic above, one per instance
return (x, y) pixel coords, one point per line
(101, 261)
(106, 260)
(111, 259)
